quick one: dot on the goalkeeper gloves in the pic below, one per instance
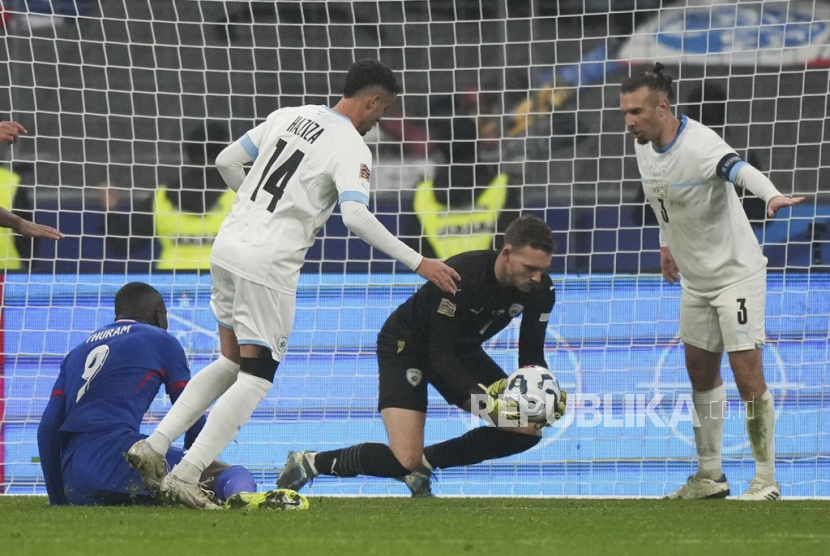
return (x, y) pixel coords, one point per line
(504, 409)
(496, 388)
(561, 407)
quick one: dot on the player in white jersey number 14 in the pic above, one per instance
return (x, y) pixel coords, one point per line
(304, 161)
(687, 171)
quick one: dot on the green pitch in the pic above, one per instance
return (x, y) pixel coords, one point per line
(401, 526)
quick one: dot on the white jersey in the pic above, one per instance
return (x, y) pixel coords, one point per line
(701, 218)
(305, 160)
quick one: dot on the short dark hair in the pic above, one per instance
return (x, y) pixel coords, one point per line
(370, 73)
(655, 80)
(138, 301)
(530, 231)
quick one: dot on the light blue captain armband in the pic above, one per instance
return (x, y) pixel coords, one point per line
(358, 196)
(733, 173)
(249, 146)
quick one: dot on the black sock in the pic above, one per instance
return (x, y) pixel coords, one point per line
(478, 445)
(370, 458)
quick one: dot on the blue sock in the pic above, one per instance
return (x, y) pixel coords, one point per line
(232, 480)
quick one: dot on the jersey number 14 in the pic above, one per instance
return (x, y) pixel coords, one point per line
(275, 181)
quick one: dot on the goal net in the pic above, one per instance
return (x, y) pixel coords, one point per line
(507, 108)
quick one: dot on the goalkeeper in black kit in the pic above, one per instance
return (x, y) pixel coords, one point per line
(436, 338)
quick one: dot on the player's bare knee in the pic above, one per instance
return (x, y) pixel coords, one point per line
(748, 369)
(751, 389)
(703, 376)
(410, 459)
(411, 462)
(704, 384)
(263, 366)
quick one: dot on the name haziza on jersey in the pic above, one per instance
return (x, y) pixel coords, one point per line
(306, 128)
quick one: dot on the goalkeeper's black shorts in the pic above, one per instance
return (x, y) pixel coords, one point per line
(405, 371)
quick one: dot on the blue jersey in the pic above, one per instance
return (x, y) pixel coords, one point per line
(111, 379)
(105, 385)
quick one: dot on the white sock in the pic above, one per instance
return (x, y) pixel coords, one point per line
(202, 390)
(760, 425)
(427, 465)
(709, 435)
(311, 459)
(232, 411)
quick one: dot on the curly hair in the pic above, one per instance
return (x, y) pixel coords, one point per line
(370, 73)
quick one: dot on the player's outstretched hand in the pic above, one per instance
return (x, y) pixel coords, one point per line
(10, 131)
(667, 265)
(439, 274)
(779, 201)
(39, 230)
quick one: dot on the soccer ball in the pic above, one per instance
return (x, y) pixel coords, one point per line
(536, 391)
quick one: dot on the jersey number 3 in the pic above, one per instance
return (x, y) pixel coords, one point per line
(275, 181)
(94, 361)
(743, 318)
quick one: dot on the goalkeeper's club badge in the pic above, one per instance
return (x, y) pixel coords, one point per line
(414, 376)
(282, 345)
(515, 309)
(447, 307)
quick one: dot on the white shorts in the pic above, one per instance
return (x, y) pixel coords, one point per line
(733, 319)
(257, 315)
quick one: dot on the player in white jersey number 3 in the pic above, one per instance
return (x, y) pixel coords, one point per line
(705, 237)
(305, 160)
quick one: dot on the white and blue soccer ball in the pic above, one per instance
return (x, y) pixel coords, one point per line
(536, 392)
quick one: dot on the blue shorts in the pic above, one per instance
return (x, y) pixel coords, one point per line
(95, 472)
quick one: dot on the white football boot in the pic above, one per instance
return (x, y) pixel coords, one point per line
(176, 492)
(760, 489)
(150, 464)
(700, 489)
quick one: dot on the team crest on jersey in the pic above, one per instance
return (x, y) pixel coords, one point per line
(414, 376)
(447, 307)
(365, 172)
(660, 188)
(515, 309)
